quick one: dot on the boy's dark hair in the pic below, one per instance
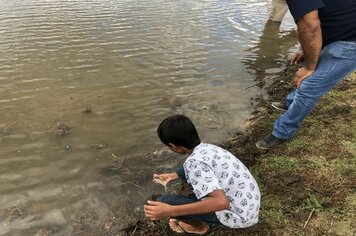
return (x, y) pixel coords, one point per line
(178, 130)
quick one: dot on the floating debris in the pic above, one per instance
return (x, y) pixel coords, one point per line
(88, 218)
(45, 231)
(61, 129)
(86, 110)
(66, 146)
(4, 131)
(98, 146)
(13, 213)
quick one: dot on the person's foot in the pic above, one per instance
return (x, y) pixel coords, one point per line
(269, 142)
(188, 226)
(281, 106)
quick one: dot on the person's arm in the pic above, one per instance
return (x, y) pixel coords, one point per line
(310, 37)
(309, 34)
(216, 201)
(297, 57)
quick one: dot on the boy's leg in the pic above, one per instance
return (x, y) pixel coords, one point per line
(180, 172)
(174, 199)
(337, 60)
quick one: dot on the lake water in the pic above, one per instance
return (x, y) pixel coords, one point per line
(104, 74)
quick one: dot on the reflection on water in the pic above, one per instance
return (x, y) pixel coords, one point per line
(269, 53)
(110, 71)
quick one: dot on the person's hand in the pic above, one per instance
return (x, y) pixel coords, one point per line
(157, 210)
(301, 75)
(297, 57)
(166, 177)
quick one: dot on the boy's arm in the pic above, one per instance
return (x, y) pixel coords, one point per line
(216, 201)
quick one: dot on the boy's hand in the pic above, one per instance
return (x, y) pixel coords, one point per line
(157, 210)
(166, 177)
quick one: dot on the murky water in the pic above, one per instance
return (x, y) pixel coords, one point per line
(111, 71)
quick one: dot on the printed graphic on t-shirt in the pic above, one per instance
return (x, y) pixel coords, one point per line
(210, 168)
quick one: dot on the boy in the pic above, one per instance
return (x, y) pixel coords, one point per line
(225, 191)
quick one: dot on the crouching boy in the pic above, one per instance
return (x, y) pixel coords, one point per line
(225, 191)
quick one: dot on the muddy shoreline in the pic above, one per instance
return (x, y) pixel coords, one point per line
(293, 191)
(242, 145)
(307, 184)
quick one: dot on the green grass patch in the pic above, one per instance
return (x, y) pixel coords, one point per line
(351, 202)
(275, 164)
(345, 167)
(297, 144)
(349, 146)
(281, 163)
(272, 209)
(313, 201)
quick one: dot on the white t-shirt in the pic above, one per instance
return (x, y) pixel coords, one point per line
(209, 168)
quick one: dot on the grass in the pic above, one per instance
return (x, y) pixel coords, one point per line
(321, 159)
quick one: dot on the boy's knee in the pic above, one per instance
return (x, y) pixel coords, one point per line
(168, 199)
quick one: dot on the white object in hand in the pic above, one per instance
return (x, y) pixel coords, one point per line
(159, 180)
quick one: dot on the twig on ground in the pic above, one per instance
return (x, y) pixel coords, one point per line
(12, 124)
(134, 230)
(309, 217)
(19, 210)
(132, 184)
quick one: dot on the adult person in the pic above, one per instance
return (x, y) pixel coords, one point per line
(278, 10)
(327, 35)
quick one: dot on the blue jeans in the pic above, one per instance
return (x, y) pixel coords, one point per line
(174, 199)
(336, 61)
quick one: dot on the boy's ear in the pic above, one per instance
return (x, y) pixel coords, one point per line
(175, 148)
(171, 145)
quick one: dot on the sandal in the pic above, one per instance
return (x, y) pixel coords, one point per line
(182, 230)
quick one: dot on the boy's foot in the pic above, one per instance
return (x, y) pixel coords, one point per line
(188, 226)
(281, 106)
(269, 142)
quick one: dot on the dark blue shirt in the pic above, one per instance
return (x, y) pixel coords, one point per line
(337, 17)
